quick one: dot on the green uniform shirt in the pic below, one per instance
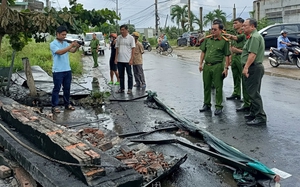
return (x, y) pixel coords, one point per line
(94, 43)
(255, 44)
(215, 49)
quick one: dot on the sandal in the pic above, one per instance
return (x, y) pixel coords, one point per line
(55, 110)
(120, 91)
(69, 107)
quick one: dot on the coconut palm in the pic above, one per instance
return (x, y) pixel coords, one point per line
(209, 18)
(179, 15)
(220, 15)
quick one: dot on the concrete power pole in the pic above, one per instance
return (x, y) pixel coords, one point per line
(189, 15)
(234, 12)
(156, 19)
(201, 19)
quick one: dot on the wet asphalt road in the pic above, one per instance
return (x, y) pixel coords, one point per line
(178, 84)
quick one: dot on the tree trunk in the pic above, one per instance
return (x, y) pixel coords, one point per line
(29, 77)
(3, 4)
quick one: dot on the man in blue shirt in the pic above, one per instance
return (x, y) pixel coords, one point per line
(282, 44)
(61, 69)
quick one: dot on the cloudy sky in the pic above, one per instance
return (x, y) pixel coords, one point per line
(141, 12)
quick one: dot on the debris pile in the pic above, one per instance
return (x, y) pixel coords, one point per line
(97, 138)
(145, 161)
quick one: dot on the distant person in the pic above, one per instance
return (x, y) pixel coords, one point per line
(138, 62)
(253, 71)
(61, 70)
(282, 44)
(124, 58)
(112, 66)
(95, 48)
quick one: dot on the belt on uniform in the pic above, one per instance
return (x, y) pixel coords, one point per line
(254, 64)
(212, 63)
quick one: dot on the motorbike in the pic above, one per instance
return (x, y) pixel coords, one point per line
(147, 46)
(167, 48)
(276, 56)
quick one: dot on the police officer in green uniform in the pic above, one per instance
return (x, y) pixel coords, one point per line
(253, 71)
(214, 49)
(94, 47)
(238, 42)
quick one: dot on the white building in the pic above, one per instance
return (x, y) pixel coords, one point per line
(277, 11)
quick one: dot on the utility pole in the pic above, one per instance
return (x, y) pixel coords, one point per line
(234, 12)
(219, 7)
(156, 19)
(201, 19)
(166, 21)
(117, 10)
(189, 14)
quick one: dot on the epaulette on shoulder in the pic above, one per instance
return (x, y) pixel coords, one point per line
(225, 38)
(209, 36)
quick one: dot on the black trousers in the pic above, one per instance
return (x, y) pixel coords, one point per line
(121, 68)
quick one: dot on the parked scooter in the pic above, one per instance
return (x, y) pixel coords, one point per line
(166, 48)
(146, 45)
(276, 56)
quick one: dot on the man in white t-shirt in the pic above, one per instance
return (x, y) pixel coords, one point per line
(124, 57)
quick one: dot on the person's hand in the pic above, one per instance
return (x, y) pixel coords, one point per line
(116, 61)
(225, 73)
(75, 44)
(200, 68)
(131, 62)
(97, 50)
(289, 44)
(227, 35)
(245, 72)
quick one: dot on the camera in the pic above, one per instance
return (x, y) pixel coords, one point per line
(78, 41)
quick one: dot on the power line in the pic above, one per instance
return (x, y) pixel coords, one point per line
(139, 12)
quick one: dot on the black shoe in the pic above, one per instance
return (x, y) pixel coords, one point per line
(218, 111)
(243, 109)
(256, 122)
(95, 66)
(233, 97)
(205, 108)
(249, 116)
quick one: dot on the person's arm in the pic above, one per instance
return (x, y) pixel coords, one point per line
(71, 48)
(132, 50)
(117, 51)
(202, 55)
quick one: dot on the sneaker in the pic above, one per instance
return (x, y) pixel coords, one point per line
(110, 82)
(129, 91)
(117, 83)
(143, 86)
(136, 85)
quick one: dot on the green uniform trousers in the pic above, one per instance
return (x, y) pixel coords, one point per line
(213, 74)
(236, 68)
(95, 56)
(253, 85)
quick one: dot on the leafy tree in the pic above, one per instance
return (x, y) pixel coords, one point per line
(209, 18)
(21, 26)
(180, 16)
(219, 14)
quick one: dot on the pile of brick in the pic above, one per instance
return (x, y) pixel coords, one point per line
(145, 161)
(96, 137)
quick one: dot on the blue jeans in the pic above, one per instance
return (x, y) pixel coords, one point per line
(61, 79)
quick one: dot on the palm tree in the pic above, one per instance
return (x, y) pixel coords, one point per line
(220, 15)
(209, 18)
(179, 14)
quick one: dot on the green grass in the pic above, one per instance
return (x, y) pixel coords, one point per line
(38, 54)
